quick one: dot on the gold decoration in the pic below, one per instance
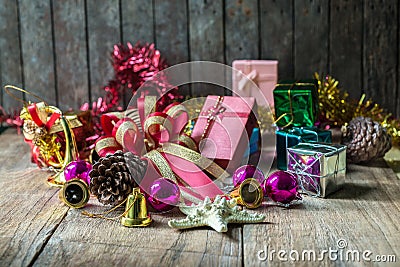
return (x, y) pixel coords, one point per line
(337, 110)
(135, 214)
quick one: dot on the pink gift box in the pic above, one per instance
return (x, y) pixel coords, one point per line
(228, 135)
(264, 73)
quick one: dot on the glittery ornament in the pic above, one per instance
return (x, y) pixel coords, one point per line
(282, 187)
(248, 171)
(164, 194)
(78, 169)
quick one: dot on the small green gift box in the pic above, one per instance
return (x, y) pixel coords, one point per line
(296, 103)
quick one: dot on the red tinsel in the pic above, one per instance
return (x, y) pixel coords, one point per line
(11, 119)
(135, 65)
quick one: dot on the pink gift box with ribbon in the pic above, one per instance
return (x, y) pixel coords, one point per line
(264, 73)
(223, 129)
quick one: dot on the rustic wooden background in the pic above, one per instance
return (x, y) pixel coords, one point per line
(61, 49)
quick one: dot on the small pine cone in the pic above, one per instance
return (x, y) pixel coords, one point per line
(366, 140)
(113, 177)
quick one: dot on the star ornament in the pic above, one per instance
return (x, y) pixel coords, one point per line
(216, 214)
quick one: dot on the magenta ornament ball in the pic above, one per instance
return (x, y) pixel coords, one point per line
(164, 194)
(78, 169)
(247, 171)
(282, 187)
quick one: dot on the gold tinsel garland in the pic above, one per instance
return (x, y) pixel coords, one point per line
(337, 110)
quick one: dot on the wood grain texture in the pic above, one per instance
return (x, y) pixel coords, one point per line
(207, 39)
(37, 229)
(71, 51)
(103, 32)
(241, 30)
(30, 210)
(276, 25)
(137, 21)
(346, 22)
(365, 214)
(10, 60)
(171, 23)
(311, 35)
(107, 242)
(37, 49)
(380, 64)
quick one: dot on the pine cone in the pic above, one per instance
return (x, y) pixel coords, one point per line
(366, 140)
(113, 177)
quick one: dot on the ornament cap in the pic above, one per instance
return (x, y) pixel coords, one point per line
(136, 210)
(249, 193)
(75, 193)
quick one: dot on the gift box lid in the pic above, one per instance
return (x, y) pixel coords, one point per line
(264, 73)
(313, 148)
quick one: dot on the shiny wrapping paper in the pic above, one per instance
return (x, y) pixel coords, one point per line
(286, 138)
(296, 103)
(319, 168)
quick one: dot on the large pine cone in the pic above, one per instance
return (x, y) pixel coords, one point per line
(113, 177)
(366, 140)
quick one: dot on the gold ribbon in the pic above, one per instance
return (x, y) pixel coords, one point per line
(196, 158)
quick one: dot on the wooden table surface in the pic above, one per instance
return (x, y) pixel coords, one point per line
(36, 228)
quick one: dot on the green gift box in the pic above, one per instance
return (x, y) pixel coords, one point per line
(296, 103)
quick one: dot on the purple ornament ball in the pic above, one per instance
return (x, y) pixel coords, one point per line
(247, 171)
(281, 187)
(164, 194)
(78, 169)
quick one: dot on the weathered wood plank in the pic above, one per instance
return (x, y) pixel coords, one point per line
(276, 25)
(171, 35)
(10, 60)
(207, 39)
(37, 49)
(106, 242)
(137, 21)
(30, 210)
(311, 37)
(15, 153)
(365, 214)
(346, 22)
(103, 22)
(71, 52)
(380, 64)
(241, 30)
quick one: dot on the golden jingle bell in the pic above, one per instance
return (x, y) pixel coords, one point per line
(75, 193)
(135, 214)
(249, 193)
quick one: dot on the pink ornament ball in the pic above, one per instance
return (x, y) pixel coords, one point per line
(164, 194)
(78, 169)
(282, 187)
(247, 171)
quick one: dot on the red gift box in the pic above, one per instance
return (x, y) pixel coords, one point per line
(230, 123)
(264, 73)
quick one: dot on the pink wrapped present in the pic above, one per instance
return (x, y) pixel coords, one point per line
(264, 73)
(223, 129)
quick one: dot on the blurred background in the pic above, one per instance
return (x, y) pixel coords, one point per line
(61, 49)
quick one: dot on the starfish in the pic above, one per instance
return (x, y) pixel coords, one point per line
(216, 214)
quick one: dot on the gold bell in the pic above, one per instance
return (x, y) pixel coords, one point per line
(249, 193)
(75, 193)
(136, 210)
